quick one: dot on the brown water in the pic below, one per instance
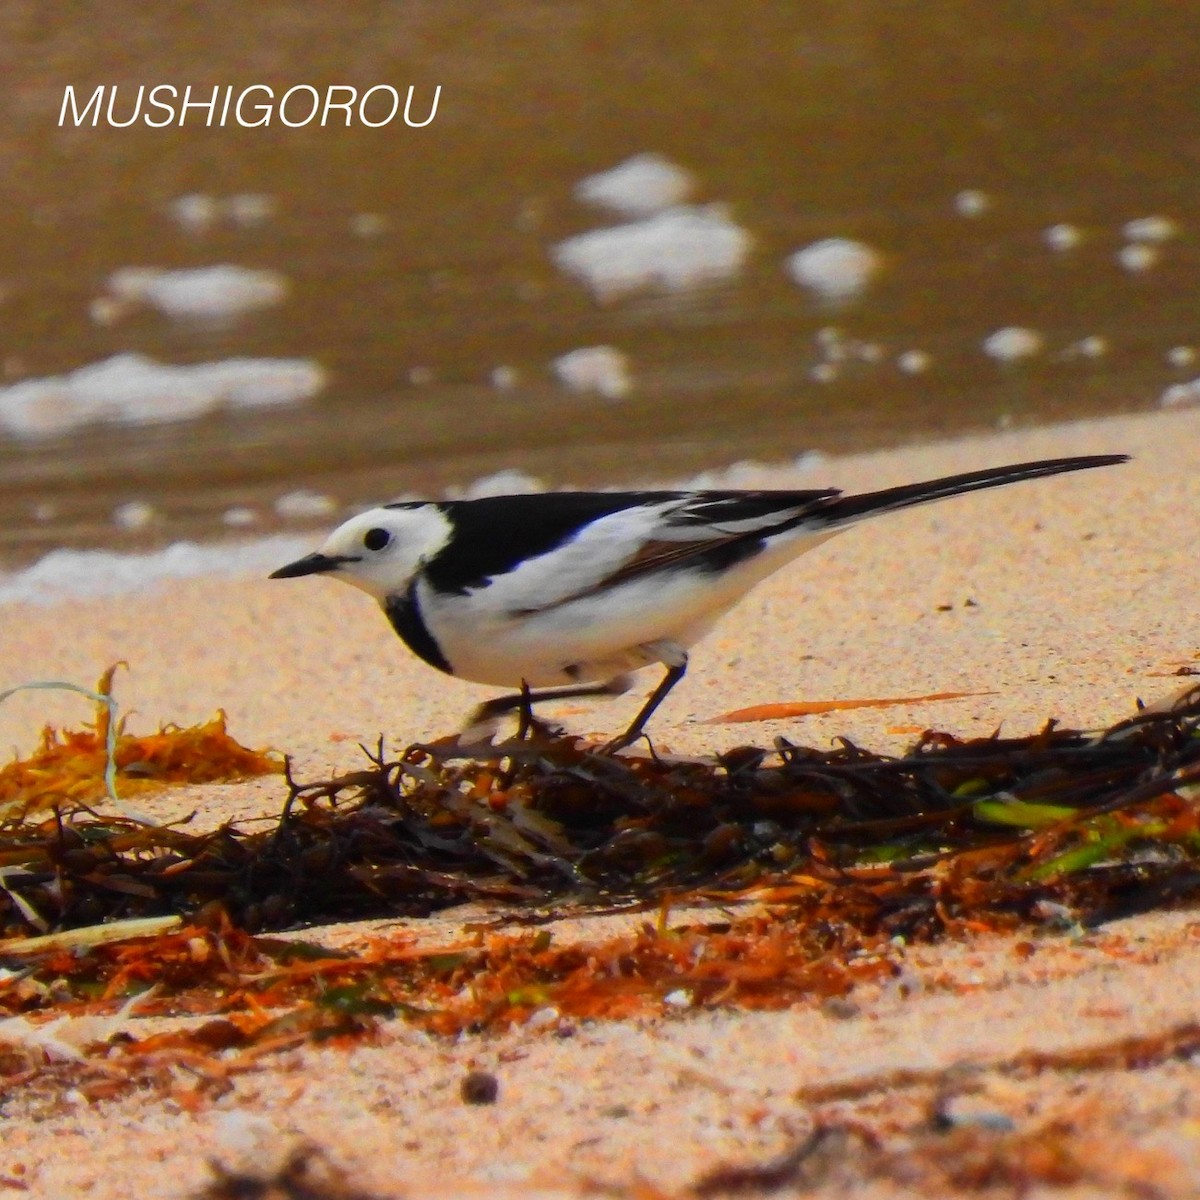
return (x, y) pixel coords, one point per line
(860, 119)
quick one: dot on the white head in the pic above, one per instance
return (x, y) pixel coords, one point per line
(379, 551)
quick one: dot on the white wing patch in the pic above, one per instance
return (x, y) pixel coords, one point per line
(621, 547)
(598, 551)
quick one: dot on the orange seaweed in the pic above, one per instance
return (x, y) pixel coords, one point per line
(812, 708)
(68, 767)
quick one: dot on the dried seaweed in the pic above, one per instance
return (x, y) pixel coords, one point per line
(81, 767)
(848, 853)
(985, 829)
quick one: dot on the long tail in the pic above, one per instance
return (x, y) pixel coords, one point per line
(840, 510)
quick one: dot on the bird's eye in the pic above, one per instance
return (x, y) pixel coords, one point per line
(376, 539)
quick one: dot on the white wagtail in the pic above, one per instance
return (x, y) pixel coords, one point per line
(579, 588)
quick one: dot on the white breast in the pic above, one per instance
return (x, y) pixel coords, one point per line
(596, 636)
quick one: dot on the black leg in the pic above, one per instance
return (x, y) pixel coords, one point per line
(631, 735)
(525, 719)
(524, 700)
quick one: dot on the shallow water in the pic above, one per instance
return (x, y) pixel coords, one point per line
(419, 261)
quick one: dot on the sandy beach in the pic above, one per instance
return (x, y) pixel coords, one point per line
(1069, 598)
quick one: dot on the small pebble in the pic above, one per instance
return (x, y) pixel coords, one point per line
(840, 1008)
(480, 1087)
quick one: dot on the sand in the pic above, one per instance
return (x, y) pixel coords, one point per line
(1068, 597)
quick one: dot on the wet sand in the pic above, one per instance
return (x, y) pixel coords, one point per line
(1081, 592)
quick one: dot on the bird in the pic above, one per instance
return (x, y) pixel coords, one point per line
(569, 592)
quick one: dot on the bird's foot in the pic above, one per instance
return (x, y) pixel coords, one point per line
(623, 741)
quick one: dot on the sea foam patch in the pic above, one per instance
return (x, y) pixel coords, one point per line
(133, 389)
(198, 212)
(67, 574)
(600, 369)
(641, 185)
(1013, 343)
(675, 250)
(837, 269)
(219, 293)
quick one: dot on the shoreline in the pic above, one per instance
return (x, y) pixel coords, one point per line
(1004, 594)
(138, 546)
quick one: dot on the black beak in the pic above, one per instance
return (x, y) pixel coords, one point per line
(312, 564)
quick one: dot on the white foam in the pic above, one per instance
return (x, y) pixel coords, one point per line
(134, 514)
(745, 473)
(676, 250)
(261, 382)
(1093, 347)
(1181, 356)
(641, 185)
(1150, 229)
(509, 482)
(600, 369)
(239, 517)
(107, 310)
(1062, 236)
(303, 504)
(1138, 257)
(1180, 394)
(505, 378)
(248, 209)
(202, 293)
(837, 269)
(1012, 343)
(914, 362)
(198, 212)
(131, 389)
(64, 574)
(368, 225)
(971, 202)
(832, 344)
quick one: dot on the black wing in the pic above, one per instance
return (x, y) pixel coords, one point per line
(495, 534)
